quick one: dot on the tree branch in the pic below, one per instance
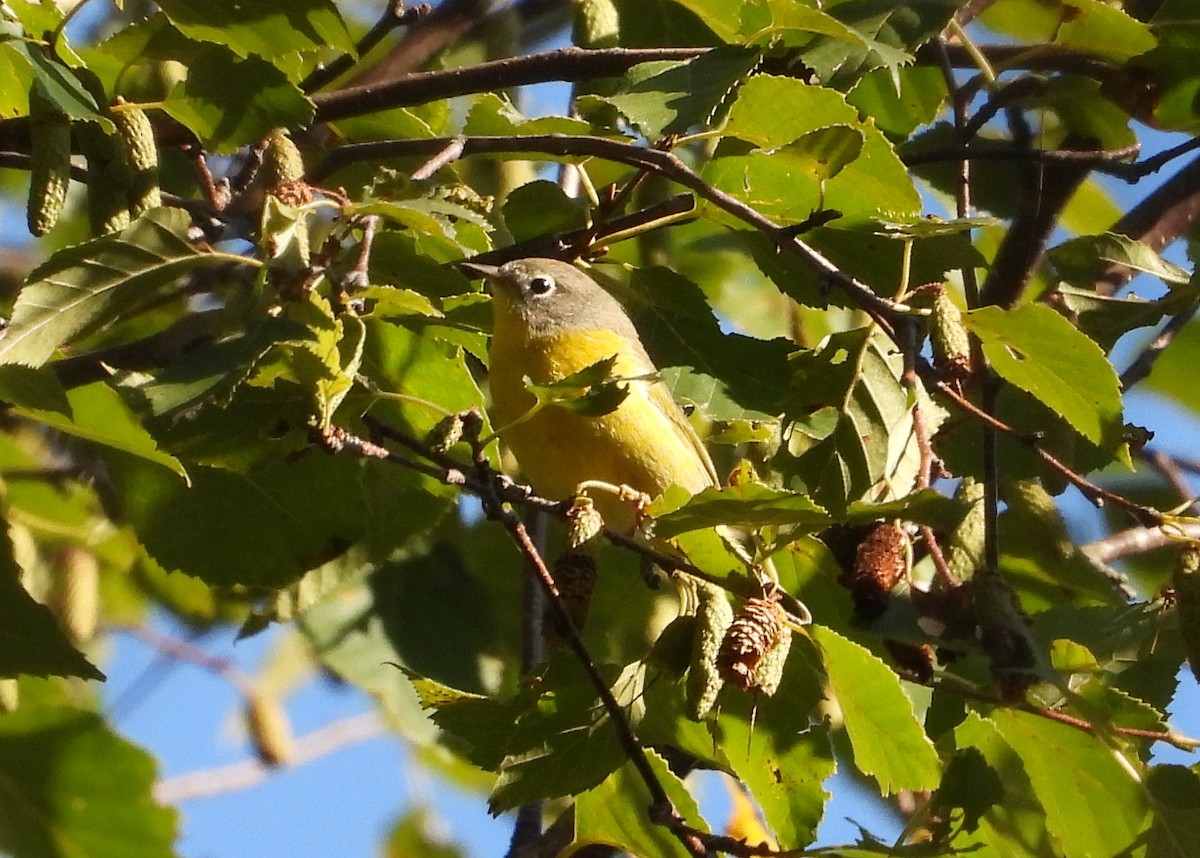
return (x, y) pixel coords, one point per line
(651, 160)
(565, 64)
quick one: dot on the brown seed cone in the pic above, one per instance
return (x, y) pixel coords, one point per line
(575, 577)
(755, 631)
(883, 560)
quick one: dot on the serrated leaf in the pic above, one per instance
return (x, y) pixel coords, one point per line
(73, 787)
(541, 207)
(862, 446)
(97, 414)
(772, 112)
(31, 640)
(81, 289)
(36, 389)
(59, 84)
(1039, 351)
(261, 27)
(661, 98)
(262, 529)
(592, 391)
(225, 116)
(472, 718)
(1094, 27)
(493, 115)
(563, 745)
(387, 302)
(727, 375)
(750, 506)
(615, 812)
(783, 767)
(1080, 260)
(1094, 806)
(1175, 800)
(889, 743)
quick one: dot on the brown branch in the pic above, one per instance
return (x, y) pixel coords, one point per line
(1144, 362)
(395, 15)
(652, 160)
(961, 688)
(1102, 160)
(1096, 494)
(565, 64)
(1157, 221)
(1140, 540)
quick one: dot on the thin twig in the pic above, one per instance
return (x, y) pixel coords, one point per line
(653, 160)
(182, 650)
(1144, 362)
(1096, 494)
(249, 772)
(1140, 540)
(396, 15)
(451, 153)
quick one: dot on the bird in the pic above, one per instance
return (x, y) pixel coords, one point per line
(552, 320)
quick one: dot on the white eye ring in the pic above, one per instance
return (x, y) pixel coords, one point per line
(541, 285)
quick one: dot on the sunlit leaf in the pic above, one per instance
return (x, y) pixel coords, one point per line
(82, 288)
(76, 788)
(1040, 352)
(889, 743)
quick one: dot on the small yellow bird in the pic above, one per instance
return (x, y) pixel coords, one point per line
(552, 320)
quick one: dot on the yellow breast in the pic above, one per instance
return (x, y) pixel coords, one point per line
(645, 443)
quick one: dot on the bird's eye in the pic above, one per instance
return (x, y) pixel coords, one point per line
(541, 285)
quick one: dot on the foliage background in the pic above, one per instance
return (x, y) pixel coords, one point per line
(234, 361)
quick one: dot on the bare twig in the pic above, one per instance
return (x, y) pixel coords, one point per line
(448, 155)
(182, 650)
(249, 772)
(1140, 540)
(396, 15)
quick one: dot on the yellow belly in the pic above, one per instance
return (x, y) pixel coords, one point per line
(639, 444)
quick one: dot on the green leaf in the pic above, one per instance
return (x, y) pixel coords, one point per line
(1174, 373)
(661, 98)
(1175, 799)
(420, 832)
(98, 415)
(888, 741)
(471, 718)
(492, 114)
(1094, 805)
(1094, 27)
(262, 27)
(727, 375)
(729, 21)
(750, 506)
(31, 641)
(771, 112)
(1039, 351)
(73, 787)
(540, 208)
(59, 84)
(81, 289)
(1080, 260)
(561, 746)
(851, 427)
(36, 389)
(592, 391)
(782, 765)
(228, 101)
(922, 93)
(263, 528)
(616, 812)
